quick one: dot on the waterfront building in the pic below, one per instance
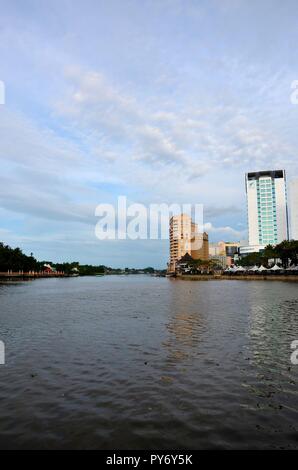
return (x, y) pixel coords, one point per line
(267, 208)
(199, 244)
(245, 250)
(186, 238)
(293, 193)
(214, 249)
(224, 251)
(47, 268)
(231, 248)
(221, 260)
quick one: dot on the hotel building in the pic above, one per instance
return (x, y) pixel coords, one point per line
(266, 208)
(185, 238)
(293, 193)
(224, 252)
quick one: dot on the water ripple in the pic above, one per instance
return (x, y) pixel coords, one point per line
(139, 362)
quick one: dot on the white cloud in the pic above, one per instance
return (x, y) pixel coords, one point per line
(224, 231)
(162, 112)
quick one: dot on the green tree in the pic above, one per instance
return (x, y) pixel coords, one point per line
(16, 260)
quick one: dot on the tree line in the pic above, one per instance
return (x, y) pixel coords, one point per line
(13, 259)
(285, 252)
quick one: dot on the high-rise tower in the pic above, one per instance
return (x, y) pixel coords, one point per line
(294, 209)
(267, 207)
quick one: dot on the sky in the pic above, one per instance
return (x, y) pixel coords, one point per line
(162, 101)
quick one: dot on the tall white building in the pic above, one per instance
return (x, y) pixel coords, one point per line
(267, 208)
(293, 209)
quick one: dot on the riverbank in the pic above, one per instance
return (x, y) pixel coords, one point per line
(30, 275)
(238, 277)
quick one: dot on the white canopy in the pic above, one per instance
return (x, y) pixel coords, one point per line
(262, 268)
(255, 268)
(240, 268)
(275, 268)
(233, 269)
(292, 268)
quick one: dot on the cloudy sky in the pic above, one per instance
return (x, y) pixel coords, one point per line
(158, 100)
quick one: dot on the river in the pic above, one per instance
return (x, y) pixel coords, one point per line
(137, 362)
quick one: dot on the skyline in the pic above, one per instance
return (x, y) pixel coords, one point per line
(109, 99)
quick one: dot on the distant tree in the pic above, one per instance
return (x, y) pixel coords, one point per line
(149, 270)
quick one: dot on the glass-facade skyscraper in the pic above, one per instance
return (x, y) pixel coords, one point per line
(294, 209)
(267, 207)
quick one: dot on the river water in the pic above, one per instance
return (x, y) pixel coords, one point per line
(138, 362)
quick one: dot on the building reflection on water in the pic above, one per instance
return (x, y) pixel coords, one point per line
(271, 326)
(185, 327)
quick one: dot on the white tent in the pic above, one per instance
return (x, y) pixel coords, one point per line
(240, 269)
(254, 269)
(262, 268)
(275, 268)
(292, 268)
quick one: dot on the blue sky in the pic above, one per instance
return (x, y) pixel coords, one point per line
(161, 101)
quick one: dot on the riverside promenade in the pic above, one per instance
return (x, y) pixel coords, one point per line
(30, 274)
(238, 277)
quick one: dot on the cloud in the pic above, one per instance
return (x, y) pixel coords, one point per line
(154, 146)
(106, 99)
(192, 139)
(224, 231)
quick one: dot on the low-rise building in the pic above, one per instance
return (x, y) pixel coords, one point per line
(249, 249)
(224, 251)
(220, 260)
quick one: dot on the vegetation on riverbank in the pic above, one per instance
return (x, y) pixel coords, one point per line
(286, 252)
(13, 259)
